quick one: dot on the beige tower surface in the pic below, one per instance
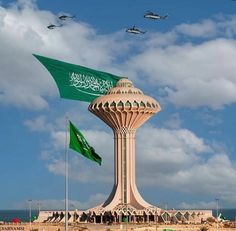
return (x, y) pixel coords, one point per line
(124, 109)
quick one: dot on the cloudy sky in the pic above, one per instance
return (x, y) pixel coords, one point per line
(185, 154)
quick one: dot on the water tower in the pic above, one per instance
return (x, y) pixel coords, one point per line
(124, 108)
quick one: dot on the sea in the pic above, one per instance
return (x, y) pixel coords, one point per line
(23, 215)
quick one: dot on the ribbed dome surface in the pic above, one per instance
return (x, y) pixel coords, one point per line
(124, 104)
(124, 86)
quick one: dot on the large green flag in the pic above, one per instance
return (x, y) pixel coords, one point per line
(78, 82)
(80, 144)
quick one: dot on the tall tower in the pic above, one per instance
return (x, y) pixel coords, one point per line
(124, 109)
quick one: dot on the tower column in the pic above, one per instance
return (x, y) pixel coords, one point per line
(124, 173)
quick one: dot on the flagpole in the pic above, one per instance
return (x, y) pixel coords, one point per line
(66, 175)
(217, 208)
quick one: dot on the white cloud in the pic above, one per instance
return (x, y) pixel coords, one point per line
(165, 152)
(80, 168)
(182, 145)
(198, 205)
(220, 25)
(206, 28)
(174, 122)
(59, 139)
(181, 161)
(210, 119)
(24, 82)
(175, 159)
(21, 84)
(191, 75)
(55, 204)
(227, 25)
(38, 124)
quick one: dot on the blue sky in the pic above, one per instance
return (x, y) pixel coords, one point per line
(185, 153)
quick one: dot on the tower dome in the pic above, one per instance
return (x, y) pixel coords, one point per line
(124, 106)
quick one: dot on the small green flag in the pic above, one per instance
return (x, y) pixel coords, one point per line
(34, 218)
(79, 144)
(125, 219)
(222, 217)
(78, 82)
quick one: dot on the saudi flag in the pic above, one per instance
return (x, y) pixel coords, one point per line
(78, 82)
(79, 144)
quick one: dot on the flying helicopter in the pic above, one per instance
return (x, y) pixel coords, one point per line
(64, 17)
(52, 26)
(134, 30)
(155, 16)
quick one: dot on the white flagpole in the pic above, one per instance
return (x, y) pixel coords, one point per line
(66, 176)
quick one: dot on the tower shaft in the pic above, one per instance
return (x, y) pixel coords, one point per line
(124, 159)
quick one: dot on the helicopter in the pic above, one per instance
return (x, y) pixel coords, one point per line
(52, 26)
(151, 15)
(64, 17)
(134, 30)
